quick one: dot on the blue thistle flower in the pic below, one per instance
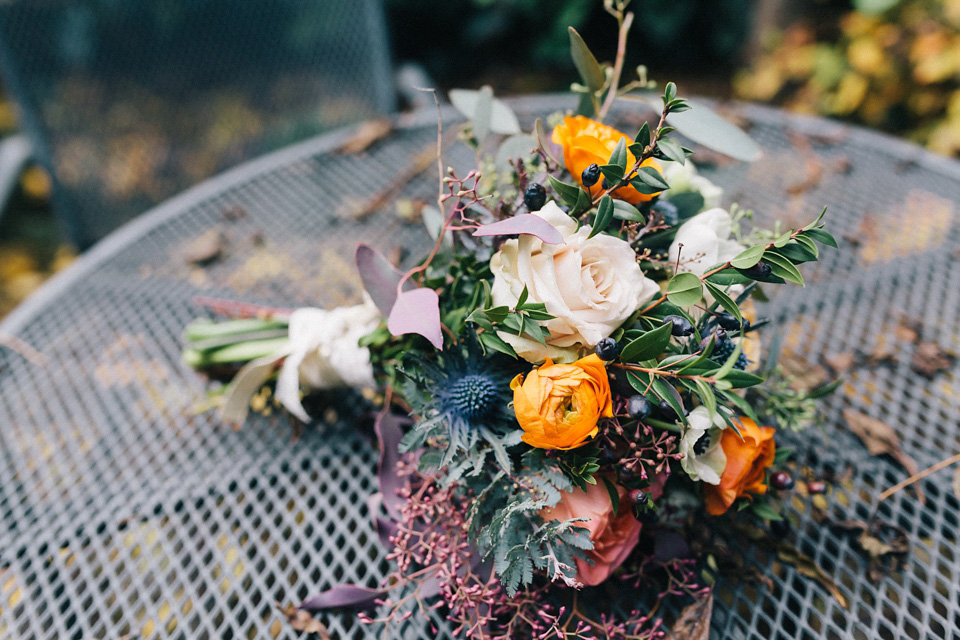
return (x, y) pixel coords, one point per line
(463, 399)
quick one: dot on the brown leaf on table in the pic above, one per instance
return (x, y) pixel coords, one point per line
(883, 351)
(206, 248)
(840, 362)
(300, 620)
(908, 330)
(366, 135)
(929, 359)
(803, 375)
(807, 566)
(880, 438)
(694, 620)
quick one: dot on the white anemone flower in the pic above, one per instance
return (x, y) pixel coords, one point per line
(703, 457)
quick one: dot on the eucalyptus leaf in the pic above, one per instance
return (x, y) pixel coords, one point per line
(482, 113)
(705, 127)
(521, 145)
(502, 119)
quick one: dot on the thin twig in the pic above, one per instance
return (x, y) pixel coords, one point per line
(23, 349)
(943, 464)
(617, 66)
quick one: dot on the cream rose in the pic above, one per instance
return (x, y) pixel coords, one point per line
(590, 286)
(706, 242)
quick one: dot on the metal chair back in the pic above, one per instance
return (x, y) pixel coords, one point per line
(129, 102)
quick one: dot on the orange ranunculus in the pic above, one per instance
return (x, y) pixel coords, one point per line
(587, 142)
(747, 460)
(558, 405)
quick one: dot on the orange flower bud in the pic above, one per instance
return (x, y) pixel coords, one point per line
(587, 142)
(747, 460)
(558, 405)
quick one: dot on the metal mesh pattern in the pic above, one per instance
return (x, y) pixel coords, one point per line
(126, 510)
(134, 102)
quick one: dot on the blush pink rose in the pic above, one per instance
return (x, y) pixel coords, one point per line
(613, 537)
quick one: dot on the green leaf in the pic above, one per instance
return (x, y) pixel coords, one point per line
(583, 202)
(626, 211)
(640, 381)
(765, 511)
(643, 187)
(541, 135)
(874, 7)
(652, 177)
(684, 290)
(813, 224)
(586, 64)
(493, 342)
(724, 300)
(705, 391)
(809, 245)
(667, 392)
(522, 298)
(741, 379)
(586, 105)
(604, 216)
(782, 455)
(783, 239)
(569, 193)
(613, 493)
(727, 277)
(669, 92)
(782, 267)
(671, 151)
(823, 237)
(748, 257)
(741, 404)
(797, 253)
(688, 204)
(612, 172)
(649, 345)
(705, 127)
(619, 155)
(643, 136)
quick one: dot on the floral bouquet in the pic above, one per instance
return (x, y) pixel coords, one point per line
(574, 395)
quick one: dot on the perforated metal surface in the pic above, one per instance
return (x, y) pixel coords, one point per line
(125, 511)
(130, 103)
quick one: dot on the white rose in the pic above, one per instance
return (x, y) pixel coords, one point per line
(706, 242)
(684, 177)
(590, 286)
(709, 464)
(324, 352)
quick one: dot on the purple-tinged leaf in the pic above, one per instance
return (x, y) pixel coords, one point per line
(389, 429)
(380, 278)
(342, 595)
(528, 223)
(417, 311)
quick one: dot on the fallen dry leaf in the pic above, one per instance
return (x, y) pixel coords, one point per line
(880, 438)
(908, 330)
(366, 135)
(803, 375)
(840, 362)
(929, 359)
(956, 483)
(883, 351)
(807, 566)
(206, 248)
(694, 620)
(300, 620)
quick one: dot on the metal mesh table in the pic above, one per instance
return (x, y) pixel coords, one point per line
(125, 511)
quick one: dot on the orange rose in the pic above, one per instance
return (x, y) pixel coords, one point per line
(747, 461)
(613, 537)
(587, 142)
(558, 405)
